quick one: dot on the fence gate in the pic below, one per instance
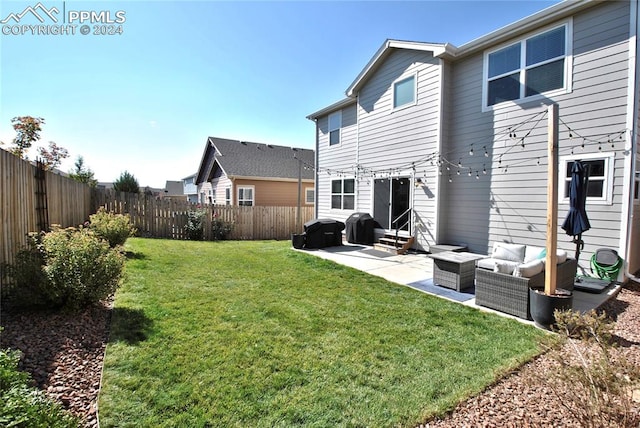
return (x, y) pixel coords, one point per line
(42, 209)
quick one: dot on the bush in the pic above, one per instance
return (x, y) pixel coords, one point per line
(195, 225)
(80, 267)
(65, 267)
(24, 406)
(220, 229)
(25, 288)
(115, 228)
(591, 380)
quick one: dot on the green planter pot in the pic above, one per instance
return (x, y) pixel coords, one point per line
(542, 306)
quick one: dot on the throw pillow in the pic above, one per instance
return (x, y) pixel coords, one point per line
(527, 270)
(505, 267)
(511, 252)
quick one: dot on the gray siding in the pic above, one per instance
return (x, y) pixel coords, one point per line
(511, 205)
(385, 140)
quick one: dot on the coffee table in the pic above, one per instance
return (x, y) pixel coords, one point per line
(455, 270)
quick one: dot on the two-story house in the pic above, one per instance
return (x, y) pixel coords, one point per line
(449, 144)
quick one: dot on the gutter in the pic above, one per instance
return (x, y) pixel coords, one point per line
(633, 120)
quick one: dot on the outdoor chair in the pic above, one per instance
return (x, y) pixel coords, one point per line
(507, 292)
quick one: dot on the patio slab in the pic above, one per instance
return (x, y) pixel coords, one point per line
(416, 271)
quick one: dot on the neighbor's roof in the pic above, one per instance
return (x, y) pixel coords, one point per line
(241, 159)
(173, 188)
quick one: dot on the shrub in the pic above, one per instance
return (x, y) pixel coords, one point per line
(25, 406)
(80, 267)
(67, 267)
(195, 225)
(220, 229)
(27, 276)
(115, 228)
(594, 383)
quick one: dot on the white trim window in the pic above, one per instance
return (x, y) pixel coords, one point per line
(343, 194)
(309, 195)
(404, 92)
(246, 196)
(600, 189)
(227, 196)
(540, 64)
(335, 124)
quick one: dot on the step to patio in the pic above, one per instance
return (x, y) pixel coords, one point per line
(389, 244)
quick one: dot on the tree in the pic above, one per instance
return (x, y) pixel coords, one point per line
(126, 183)
(27, 132)
(82, 173)
(53, 157)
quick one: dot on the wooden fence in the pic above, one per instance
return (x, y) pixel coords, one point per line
(29, 204)
(167, 218)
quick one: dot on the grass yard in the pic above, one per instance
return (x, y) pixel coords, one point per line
(224, 334)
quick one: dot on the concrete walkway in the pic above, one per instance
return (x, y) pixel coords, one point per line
(416, 271)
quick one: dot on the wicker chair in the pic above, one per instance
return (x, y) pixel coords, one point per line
(510, 294)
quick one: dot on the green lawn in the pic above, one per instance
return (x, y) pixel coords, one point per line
(223, 334)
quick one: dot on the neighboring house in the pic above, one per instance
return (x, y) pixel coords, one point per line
(458, 135)
(252, 174)
(190, 190)
(173, 190)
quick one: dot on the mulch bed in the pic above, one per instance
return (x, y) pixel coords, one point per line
(64, 354)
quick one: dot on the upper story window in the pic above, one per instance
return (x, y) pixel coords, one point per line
(404, 92)
(343, 194)
(227, 196)
(335, 123)
(600, 167)
(532, 66)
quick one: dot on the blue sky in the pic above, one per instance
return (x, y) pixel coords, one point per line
(146, 100)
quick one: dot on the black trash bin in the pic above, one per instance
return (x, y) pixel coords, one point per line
(323, 232)
(359, 228)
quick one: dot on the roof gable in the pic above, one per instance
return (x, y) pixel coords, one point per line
(245, 159)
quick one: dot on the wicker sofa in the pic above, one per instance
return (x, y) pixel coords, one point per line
(503, 280)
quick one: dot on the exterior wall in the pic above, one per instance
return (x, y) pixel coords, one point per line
(188, 186)
(509, 202)
(273, 193)
(378, 138)
(202, 196)
(219, 185)
(332, 158)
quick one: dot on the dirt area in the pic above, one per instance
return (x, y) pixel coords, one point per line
(64, 354)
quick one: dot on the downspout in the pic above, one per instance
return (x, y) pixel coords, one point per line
(632, 124)
(315, 184)
(357, 205)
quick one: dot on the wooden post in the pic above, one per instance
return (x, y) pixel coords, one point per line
(552, 202)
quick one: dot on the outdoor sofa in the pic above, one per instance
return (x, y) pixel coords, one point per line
(503, 279)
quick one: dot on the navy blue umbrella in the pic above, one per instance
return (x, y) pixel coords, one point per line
(577, 221)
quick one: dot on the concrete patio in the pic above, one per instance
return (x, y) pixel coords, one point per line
(416, 271)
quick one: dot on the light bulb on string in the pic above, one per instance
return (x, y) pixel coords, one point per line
(471, 151)
(486, 153)
(583, 141)
(470, 171)
(450, 179)
(477, 176)
(484, 169)
(459, 162)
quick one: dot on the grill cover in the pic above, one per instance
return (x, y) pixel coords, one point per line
(323, 232)
(360, 228)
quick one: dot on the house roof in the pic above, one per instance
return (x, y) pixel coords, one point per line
(387, 47)
(241, 159)
(173, 188)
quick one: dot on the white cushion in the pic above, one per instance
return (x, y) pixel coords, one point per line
(527, 270)
(504, 266)
(561, 257)
(533, 253)
(510, 252)
(488, 263)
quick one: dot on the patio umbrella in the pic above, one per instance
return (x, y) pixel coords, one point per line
(577, 221)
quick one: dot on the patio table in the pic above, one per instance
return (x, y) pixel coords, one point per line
(454, 270)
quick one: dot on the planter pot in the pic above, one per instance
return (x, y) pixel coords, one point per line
(542, 306)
